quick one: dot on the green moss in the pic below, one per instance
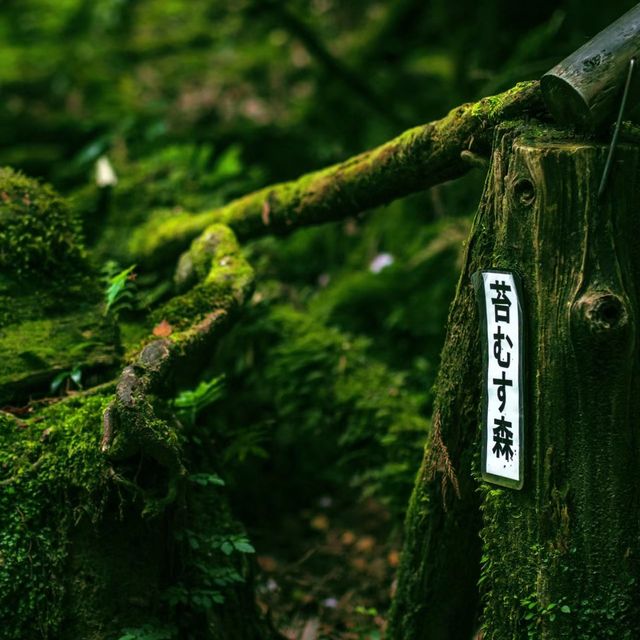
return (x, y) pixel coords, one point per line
(491, 106)
(218, 273)
(51, 315)
(52, 477)
(38, 232)
(321, 405)
(34, 351)
(165, 235)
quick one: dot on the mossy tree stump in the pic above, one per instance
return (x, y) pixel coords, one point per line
(560, 558)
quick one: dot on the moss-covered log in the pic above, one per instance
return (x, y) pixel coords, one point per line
(560, 557)
(80, 556)
(414, 161)
(51, 312)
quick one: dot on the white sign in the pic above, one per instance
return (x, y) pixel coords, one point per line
(500, 306)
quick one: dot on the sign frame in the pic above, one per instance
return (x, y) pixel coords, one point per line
(478, 282)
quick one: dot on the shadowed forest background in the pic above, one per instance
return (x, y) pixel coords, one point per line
(305, 426)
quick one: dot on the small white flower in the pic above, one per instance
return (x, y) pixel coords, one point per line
(381, 261)
(330, 603)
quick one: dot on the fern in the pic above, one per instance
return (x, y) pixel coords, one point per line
(119, 289)
(188, 404)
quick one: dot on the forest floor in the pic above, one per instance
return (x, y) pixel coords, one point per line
(328, 573)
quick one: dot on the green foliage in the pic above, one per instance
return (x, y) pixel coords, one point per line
(320, 407)
(149, 632)
(205, 479)
(119, 288)
(365, 627)
(74, 375)
(327, 378)
(188, 404)
(536, 613)
(212, 551)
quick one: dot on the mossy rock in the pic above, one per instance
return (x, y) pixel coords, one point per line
(51, 309)
(38, 233)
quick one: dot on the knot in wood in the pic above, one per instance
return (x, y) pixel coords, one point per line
(154, 355)
(603, 312)
(524, 191)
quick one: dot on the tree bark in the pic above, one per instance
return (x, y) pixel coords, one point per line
(560, 557)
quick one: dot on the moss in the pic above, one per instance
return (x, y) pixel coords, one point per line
(34, 351)
(52, 476)
(165, 235)
(76, 558)
(38, 232)
(221, 275)
(492, 106)
(51, 315)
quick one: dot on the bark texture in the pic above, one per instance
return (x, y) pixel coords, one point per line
(414, 161)
(559, 558)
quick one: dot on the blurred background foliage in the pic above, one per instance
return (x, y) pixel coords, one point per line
(194, 102)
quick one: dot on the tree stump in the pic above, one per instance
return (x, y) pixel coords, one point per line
(559, 558)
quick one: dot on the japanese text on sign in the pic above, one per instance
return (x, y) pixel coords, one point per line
(503, 428)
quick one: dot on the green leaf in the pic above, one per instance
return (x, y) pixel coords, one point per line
(76, 375)
(56, 383)
(116, 288)
(226, 548)
(205, 479)
(243, 546)
(565, 609)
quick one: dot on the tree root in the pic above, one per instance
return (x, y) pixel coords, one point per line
(138, 420)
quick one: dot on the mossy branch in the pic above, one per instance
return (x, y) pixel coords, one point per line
(220, 282)
(414, 161)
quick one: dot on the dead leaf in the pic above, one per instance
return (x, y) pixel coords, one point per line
(348, 538)
(310, 629)
(163, 329)
(266, 210)
(267, 563)
(366, 543)
(320, 522)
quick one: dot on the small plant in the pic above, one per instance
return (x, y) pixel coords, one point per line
(188, 404)
(119, 290)
(148, 632)
(70, 376)
(536, 613)
(214, 572)
(368, 629)
(207, 479)
(230, 543)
